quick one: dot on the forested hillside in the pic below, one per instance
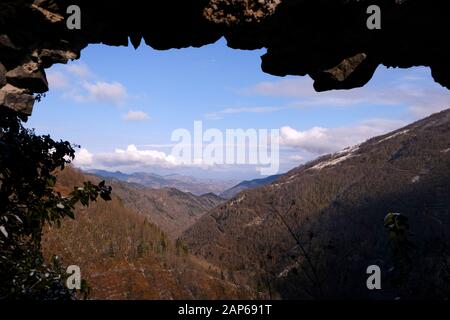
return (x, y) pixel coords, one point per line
(314, 232)
(122, 255)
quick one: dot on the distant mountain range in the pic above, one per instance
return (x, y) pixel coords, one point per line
(180, 182)
(314, 231)
(248, 184)
(310, 233)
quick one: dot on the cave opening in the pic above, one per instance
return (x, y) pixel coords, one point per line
(121, 102)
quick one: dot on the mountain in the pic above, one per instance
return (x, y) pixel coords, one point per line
(314, 232)
(248, 184)
(180, 182)
(170, 209)
(123, 255)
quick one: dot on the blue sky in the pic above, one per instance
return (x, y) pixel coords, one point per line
(113, 98)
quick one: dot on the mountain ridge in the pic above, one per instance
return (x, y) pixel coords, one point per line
(248, 184)
(330, 212)
(170, 209)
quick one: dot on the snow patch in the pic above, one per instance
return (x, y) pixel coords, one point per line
(348, 150)
(332, 162)
(394, 135)
(337, 158)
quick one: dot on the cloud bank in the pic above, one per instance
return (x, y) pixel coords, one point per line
(319, 140)
(79, 83)
(419, 96)
(131, 157)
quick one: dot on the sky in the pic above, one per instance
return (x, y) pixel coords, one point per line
(122, 106)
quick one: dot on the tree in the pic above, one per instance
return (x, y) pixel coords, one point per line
(398, 230)
(29, 201)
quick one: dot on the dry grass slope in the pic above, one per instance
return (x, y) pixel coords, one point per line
(123, 255)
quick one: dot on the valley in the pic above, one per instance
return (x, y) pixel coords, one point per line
(124, 255)
(308, 234)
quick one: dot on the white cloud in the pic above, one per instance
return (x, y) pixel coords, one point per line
(293, 88)
(83, 158)
(132, 156)
(420, 97)
(306, 144)
(57, 80)
(319, 140)
(220, 114)
(302, 90)
(80, 84)
(136, 116)
(80, 70)
(101, 91)
(128, 158)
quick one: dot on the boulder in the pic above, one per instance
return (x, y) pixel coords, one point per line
(16, 99)
(28, 76)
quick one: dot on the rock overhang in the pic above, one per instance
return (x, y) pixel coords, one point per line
(327, 40)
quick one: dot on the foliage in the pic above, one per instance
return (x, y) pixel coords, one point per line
(398, 229)
(181, 247)
(28, 201)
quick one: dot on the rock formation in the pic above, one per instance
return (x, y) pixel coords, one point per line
(328, 40)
